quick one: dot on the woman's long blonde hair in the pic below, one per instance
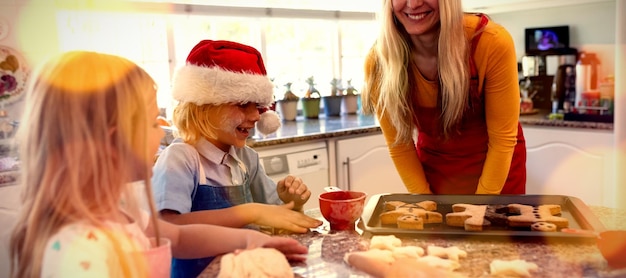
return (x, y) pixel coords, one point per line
(79, 149)
(388, 89)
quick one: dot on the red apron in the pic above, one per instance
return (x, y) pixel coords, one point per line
(454, 166)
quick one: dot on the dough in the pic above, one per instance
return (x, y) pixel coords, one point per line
(385, 250)
(385, 242)
(452, 252)
(514, 268)
(438, 262)
(407, 252)
(259, 262)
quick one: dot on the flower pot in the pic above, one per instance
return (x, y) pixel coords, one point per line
(332, 105)
(311, 108)
(288, 109)
(349, 104)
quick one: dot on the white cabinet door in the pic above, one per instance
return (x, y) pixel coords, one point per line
(363, 164)
(570, 162)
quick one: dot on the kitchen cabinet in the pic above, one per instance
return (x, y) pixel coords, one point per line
(572, 162)
(363, 164)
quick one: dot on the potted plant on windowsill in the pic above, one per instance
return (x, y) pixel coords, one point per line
(288, 105)
(350, 101)
(332, 103)
(311, 100)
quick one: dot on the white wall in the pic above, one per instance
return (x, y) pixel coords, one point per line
(620, 106)
(592, 28)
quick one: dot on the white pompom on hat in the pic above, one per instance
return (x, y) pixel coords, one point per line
(223, 72)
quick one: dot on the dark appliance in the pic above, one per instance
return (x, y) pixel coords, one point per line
(563, 94)
(548, 40)
(540, 44)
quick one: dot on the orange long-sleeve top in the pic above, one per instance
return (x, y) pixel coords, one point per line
(496, 64)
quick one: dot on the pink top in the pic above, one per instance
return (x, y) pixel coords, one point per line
(116, 250)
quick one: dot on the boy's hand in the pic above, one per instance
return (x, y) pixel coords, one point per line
(282, 217)
(293, 189)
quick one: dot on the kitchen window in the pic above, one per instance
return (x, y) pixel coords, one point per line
(143, 41)
(357, 37)
(294, 48)
(188, 30)
(299, 48)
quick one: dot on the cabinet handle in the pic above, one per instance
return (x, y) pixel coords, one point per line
(347, 163)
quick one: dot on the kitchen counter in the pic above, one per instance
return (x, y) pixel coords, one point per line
(554, 258)
(302, 129)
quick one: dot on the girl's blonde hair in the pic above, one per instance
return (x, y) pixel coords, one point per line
(393, 77)
(80, 147)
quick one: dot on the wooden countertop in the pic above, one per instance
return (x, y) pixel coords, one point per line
(302, 130)
(555, 259)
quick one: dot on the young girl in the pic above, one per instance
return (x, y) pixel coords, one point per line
(209, 175)
(89, 131)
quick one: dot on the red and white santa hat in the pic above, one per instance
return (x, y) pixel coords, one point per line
(222, 72)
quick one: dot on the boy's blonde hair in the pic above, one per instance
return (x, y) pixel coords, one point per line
(192, 122)
(79, 149)
(393, 79)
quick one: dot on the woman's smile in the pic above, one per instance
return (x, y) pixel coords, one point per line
(418, 16)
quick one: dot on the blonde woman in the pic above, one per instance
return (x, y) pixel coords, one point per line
(87, 142)
(450, 77)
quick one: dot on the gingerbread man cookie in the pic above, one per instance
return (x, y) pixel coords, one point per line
(427, 205)
(497, 215)
(527, 215)
(410, 215)
(471, 217)
(409, 221)
(391, 217)
(543, 227)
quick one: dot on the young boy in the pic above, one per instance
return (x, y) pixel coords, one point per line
(209, 175)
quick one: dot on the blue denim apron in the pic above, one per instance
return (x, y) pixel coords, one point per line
(209, 197)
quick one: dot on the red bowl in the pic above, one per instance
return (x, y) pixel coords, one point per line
(612, 245)
(342, 208)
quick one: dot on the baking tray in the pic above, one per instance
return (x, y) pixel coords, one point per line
(572, 208)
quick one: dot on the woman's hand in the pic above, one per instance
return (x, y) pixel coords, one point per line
(283, 217)
(293, 189)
